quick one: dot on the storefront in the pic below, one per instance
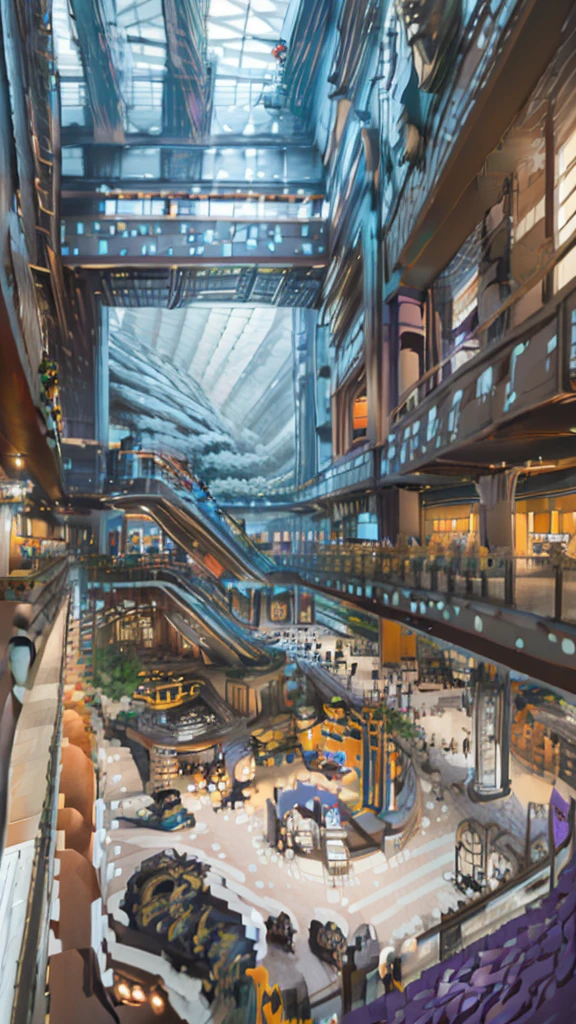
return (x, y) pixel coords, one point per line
(544, 521)
(31, 539)
(449, 523)
(143, 536)
(539, 523)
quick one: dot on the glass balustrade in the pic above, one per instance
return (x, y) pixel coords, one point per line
(533, 585)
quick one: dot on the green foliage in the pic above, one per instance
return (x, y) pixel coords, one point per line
(116, 673)
(397, 724)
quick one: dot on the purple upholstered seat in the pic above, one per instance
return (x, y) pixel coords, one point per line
(394, 1001)
(524, 973)
(566, 965)
(553, 939)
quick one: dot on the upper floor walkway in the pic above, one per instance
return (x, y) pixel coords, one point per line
(519, 612)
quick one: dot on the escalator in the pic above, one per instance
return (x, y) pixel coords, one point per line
(158, 486)
(200, 614)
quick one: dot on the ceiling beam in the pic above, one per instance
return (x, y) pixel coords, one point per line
(101, 75)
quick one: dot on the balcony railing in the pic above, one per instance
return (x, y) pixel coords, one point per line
(200, 240)
(46, 598)
(351, 470)
(532, 585)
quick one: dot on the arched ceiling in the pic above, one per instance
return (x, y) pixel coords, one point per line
(241, 36)
(236, 360)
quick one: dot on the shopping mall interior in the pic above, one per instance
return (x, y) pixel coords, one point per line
(288, 511)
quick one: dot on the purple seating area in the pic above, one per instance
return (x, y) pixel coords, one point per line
(523, 973)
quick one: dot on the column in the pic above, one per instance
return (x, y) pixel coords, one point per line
(398, 514)
(497, 495)
(411, 340)
(102, 380)
(371, 260)
(390, 642)
(491, 733)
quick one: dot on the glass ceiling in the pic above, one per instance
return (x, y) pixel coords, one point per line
(72, 87)
(239, 354)
(242, 359)
(241, 36)
(141, 25)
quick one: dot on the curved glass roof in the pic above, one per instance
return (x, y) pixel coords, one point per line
(241, 36)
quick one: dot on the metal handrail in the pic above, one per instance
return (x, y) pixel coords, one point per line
(43, 614)
(523, 878)
(491, 577)
(419, 389)
(185, 485)
(25, 987)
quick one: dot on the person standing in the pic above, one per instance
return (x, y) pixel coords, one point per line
(21, 657)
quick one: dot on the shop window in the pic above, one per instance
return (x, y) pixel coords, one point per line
(360, 416)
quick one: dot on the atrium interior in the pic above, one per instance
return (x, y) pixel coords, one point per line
(288, 511)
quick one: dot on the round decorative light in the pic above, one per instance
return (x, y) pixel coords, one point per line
(123, 990)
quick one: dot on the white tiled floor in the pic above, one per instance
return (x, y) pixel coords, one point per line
(400, 896)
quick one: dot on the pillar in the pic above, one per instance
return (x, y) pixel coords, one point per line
(390, 642)
(491, 732)
(408, 369)
(411, 340)
(399, 514)
(497, 495)
(102, 381)
(371, 258)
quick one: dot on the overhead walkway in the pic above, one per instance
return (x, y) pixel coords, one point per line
(158, 486)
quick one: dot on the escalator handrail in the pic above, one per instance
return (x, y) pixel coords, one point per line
(176, 477)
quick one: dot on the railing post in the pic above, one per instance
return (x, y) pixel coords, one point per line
(558, 591)
(509, 582)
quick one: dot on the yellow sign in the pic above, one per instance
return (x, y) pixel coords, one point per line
(269, 1006)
